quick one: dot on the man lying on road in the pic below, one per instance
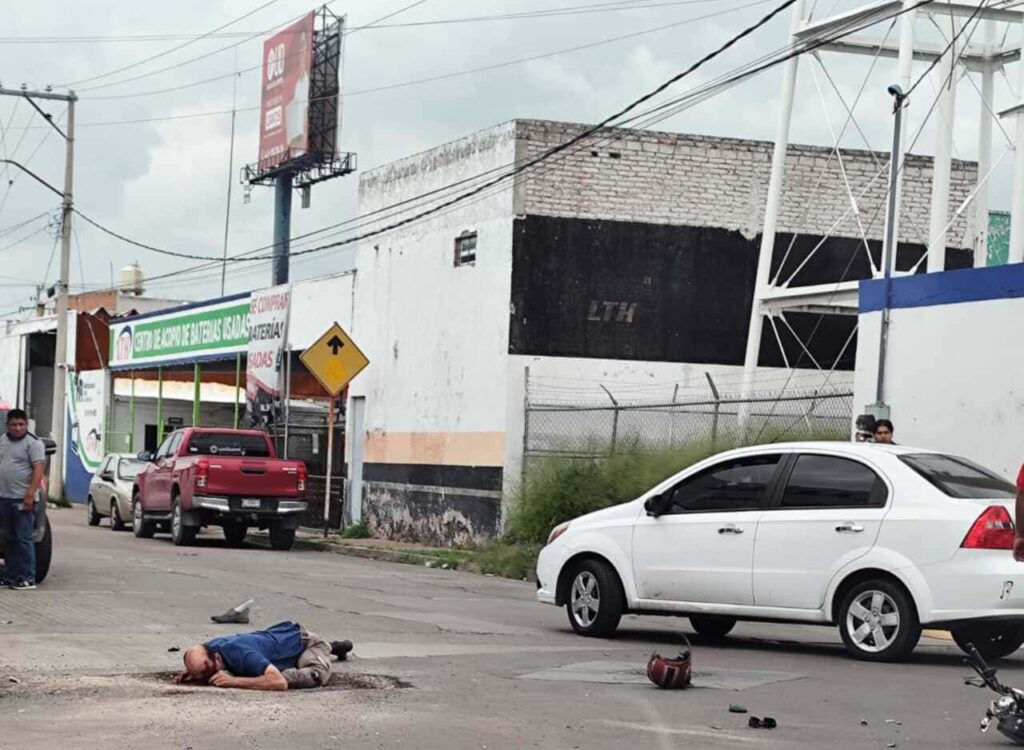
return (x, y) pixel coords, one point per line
(285, 656)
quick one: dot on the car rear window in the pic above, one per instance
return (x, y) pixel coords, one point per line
(128, 468)
(958, 477)
(228, 444)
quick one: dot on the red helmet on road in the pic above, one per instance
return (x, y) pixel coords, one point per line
(670, 672)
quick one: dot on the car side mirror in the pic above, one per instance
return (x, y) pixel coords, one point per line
(655, 505)
(145, 456)
(107, 476)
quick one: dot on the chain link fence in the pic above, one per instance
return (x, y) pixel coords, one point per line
(587, 430)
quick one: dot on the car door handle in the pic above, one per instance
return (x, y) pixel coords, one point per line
(730, 529)
(849, 528)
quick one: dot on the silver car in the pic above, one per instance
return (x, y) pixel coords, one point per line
(110, 492)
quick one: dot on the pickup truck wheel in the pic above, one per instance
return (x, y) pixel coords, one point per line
(142, 528)
(181, 534)
(44, 552)
(91, 514)
(235, 533)
(281, 539)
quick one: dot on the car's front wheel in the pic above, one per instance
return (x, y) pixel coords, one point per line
(142, 528)
(712, 628)
(116, 522)
(994, 640)
(878, 621)
(91, 514)
(594, 601)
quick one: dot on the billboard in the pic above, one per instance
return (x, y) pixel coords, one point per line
(268, 325)
(284, 112)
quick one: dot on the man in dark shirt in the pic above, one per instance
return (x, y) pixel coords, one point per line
(282, 657)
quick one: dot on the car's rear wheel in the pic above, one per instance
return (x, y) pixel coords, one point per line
(44, 552)
(712, 628)
(181, 534)
(878, 621)
(91, 514)
(994, 640)
(594, 602)
(281, 539)
(142, 528)
(235, 533)
(116, 522)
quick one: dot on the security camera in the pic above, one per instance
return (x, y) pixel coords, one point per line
(895, 90)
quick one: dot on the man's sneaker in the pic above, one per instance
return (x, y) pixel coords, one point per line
(341, 649)
(23, 586)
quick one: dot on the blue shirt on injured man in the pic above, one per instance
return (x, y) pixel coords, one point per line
(249, 654)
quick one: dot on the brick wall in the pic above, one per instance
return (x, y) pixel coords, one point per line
(695, 180)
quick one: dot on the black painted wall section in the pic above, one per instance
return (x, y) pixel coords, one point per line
(659, 292)
(433, 504)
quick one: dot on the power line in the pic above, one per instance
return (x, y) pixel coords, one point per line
(790, 51)
(446, 76)
(172, 50)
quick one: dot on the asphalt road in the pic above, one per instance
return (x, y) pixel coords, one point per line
(443, 659)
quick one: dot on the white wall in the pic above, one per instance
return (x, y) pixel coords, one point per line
(436, 335)
(953, 374)
(318, 303)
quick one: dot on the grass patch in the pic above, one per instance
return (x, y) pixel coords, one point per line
(564, 488)
(357, 531)
(509, 560)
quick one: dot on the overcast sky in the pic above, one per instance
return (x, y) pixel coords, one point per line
(164, 181)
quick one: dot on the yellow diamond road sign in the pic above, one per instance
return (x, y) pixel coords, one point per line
(334, 360)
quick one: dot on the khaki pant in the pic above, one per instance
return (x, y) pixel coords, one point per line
(314, 666)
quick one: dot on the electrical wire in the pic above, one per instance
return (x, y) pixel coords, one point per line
(443, 76)
(170, 51)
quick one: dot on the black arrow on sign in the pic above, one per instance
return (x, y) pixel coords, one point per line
(336, 345)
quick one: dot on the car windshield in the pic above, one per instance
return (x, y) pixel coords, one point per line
(128, 468)
(228, 444)
(958, 477)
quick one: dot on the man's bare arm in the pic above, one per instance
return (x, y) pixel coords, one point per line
(272, 679)
(33, 486)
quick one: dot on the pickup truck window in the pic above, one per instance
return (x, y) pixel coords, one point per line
(228, 444)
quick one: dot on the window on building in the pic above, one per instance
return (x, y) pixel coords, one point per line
(465, 249)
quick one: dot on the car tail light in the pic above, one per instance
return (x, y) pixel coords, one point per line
(992, 530)
(202, 473)
(302, 477)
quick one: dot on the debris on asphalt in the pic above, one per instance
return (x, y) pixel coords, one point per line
(15, 680)
(863, 722)
(891, 744)
(766, 723)
(736, 708)
(236, 615)
(6, 622)
(173, 649)
(893, 721)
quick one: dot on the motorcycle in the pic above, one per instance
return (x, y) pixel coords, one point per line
(1008, 709)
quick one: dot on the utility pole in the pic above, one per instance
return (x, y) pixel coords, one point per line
(880, 409)
(60, 364)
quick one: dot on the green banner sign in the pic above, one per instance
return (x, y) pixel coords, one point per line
(211, 330)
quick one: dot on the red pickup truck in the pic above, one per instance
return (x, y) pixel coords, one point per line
(218, 477)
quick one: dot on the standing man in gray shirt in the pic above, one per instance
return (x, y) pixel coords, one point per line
(22, 461)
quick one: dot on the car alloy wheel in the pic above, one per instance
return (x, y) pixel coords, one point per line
(585, 598)
(878, 621)
(137, 518)
(116, 523)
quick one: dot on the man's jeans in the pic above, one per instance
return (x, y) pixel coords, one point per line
(21, 550)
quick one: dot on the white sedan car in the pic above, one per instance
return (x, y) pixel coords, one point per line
(879, 540)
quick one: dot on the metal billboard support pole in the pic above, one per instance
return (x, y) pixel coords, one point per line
(1016, 254)
(282, 225)
(771, 214)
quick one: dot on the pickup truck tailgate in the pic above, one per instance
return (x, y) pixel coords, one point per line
(253, 477)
